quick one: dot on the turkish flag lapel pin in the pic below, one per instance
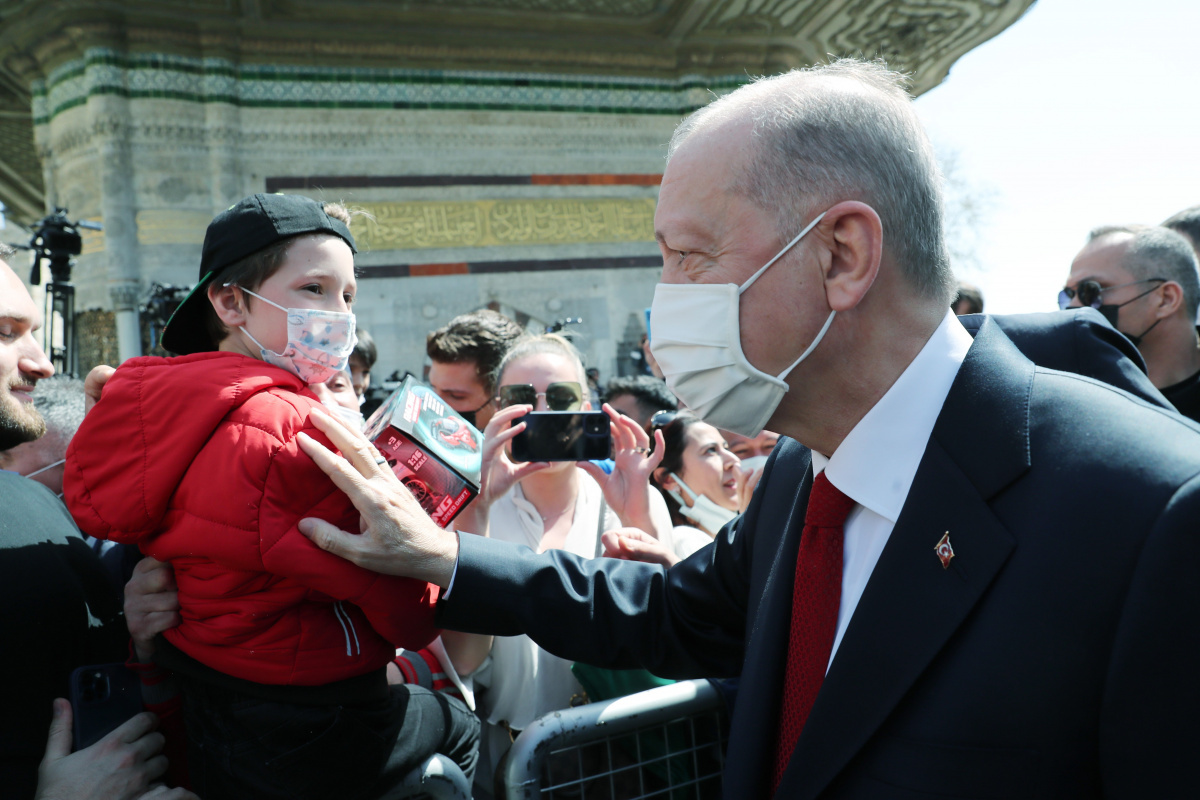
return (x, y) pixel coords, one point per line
(944, 551)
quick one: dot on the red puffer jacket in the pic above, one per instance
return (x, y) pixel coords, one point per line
(195, 460)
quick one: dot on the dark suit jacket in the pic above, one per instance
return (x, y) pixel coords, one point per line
(1056, 657)
(1078, 340)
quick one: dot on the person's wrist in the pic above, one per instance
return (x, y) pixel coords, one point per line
(443, 559)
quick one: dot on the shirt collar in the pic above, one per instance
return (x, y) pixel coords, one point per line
(877, 461)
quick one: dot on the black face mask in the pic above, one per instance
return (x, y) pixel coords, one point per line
(1110, 311)
(469, 416)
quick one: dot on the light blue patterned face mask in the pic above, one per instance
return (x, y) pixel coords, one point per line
(319, 342)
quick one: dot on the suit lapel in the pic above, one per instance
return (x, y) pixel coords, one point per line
(912, 605)
(751, 754)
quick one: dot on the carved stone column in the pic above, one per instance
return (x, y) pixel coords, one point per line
(110, 126)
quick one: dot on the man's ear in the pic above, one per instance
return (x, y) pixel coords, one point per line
(854, 235)
(229, 303)
(664, 479)
(1171, 300)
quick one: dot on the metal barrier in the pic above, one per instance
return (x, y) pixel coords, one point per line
(438, 778)
(667, 742)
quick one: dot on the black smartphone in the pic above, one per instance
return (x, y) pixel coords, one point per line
(563, 436)
(103, 696)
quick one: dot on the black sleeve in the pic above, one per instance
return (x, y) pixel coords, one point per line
(685, 622)
(1148, 730)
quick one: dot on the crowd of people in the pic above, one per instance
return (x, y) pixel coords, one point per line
(217, 523)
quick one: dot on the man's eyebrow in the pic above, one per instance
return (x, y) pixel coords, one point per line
(13, 316)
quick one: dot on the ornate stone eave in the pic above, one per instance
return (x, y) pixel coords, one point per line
(647, 38)
(606, 56)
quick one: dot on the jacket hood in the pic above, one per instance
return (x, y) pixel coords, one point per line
(155, 415)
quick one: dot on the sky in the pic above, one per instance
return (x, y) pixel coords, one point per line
(1082, 113)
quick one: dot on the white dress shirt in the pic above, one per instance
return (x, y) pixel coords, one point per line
(875, 464)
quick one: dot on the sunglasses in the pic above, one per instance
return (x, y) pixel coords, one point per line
(663, 419)
(560, 396)
(1089, 292)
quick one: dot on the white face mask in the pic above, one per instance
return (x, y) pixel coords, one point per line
(319, 342)
(753, 462)
(703, 512)
(350, 415)
(697, 341)
(46, 468)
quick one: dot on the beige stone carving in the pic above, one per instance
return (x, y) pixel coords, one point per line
(418, 226)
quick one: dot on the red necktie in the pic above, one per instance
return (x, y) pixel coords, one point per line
(815, 600)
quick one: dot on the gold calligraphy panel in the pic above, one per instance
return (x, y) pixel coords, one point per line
(478, 223)
(167, 226)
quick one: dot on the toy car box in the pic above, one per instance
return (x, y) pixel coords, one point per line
(433, 451)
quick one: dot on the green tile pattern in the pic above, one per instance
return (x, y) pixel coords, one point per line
(212, 80)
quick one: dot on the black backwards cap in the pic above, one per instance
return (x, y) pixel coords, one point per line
(246, 228)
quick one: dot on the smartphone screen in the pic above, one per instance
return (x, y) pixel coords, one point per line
(563, 436)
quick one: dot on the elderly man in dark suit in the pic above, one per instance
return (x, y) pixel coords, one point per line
(963, 575)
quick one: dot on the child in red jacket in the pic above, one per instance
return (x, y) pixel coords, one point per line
(281, 651)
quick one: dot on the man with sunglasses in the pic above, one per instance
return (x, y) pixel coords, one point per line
(1144, 281)
(464, 355)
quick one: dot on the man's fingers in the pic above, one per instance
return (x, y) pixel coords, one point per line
(330, 538)
(353, 445)
(58, 744)
(148, 746)
(163, 793)
(344, 476)
(93, 385)
(612, 545)
(135, 727)
(153, 603)
(156, 622)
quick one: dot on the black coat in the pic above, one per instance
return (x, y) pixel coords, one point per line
(1057, 656)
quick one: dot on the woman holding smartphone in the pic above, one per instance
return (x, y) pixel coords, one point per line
(547, 505)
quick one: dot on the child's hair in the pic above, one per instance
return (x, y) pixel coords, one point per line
(550, 343)
(254, 269)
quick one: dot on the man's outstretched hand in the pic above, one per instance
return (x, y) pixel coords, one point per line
(398, 537)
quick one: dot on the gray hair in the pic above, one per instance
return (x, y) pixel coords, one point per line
(841, 131)
(6, 251)
(1156, 252)
(1186, 222)
(60, 402)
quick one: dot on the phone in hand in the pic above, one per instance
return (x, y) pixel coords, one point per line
(563, 436)
(103, 697)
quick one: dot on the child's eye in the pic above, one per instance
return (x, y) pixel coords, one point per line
(349, 298)
(315, 288)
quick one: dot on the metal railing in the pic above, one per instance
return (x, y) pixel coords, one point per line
(667, 742)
